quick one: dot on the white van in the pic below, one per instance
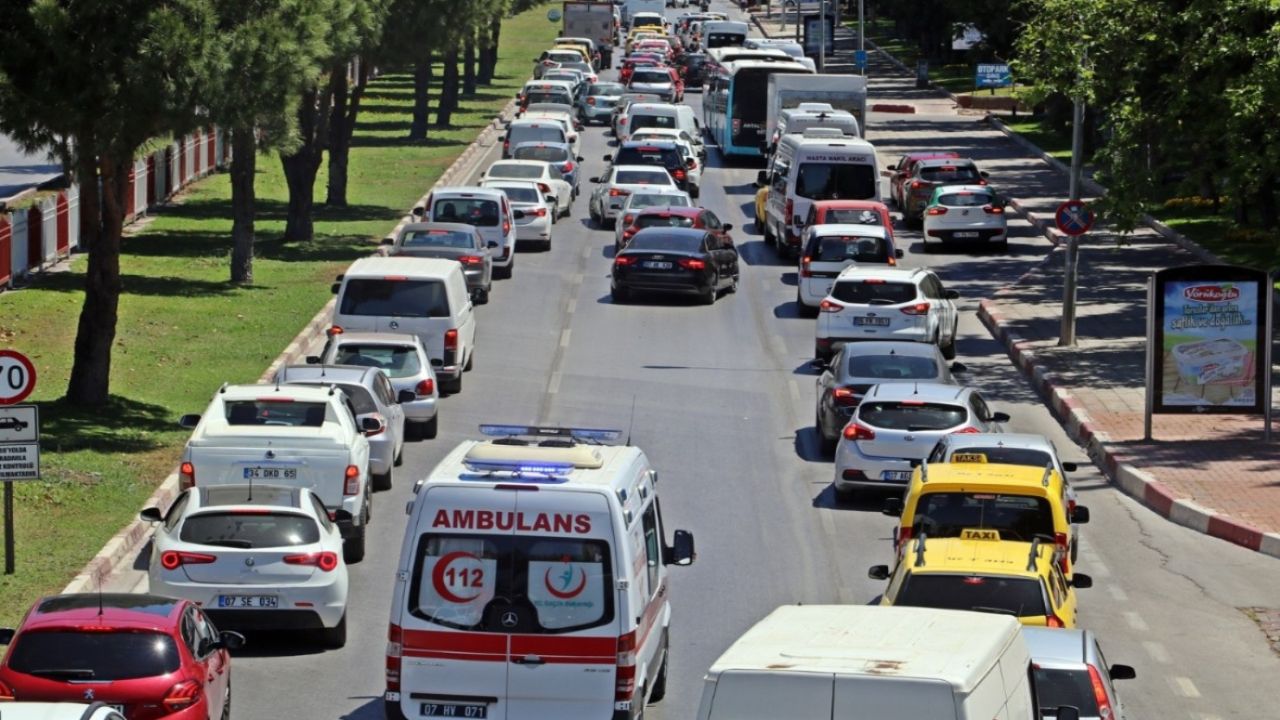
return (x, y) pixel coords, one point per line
(532, 582)
(668, 116)
(485, 209)
(426, 297)
(723, 33)
(794, 121)
(823, 662)
(818, 164)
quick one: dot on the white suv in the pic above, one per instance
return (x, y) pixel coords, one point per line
(886, 304)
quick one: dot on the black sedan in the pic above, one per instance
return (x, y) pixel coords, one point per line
(693, 69)
(688, 261)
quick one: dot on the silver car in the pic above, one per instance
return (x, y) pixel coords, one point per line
(559, 155)
(899, 422)
(1070, 671)
(371, 396)
(596, 105)
(620, 181)
(451, 241)
(653, 81)
(637, 201)
(404, 361)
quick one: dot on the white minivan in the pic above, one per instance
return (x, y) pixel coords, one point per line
(486, 209)
(533, 582)
(667, 116)
(426, 297)
(829, 662)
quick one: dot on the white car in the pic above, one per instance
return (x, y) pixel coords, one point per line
(485, 209)
(618, 182)
(562, 115)
(965, 213)
(535, 211)
(537, 171)
(675, 135)
(829, 249)
(253, 557)
(637, 201)
(406, 364)
(886, 304)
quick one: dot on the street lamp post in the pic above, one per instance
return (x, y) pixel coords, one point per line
(1071, 270)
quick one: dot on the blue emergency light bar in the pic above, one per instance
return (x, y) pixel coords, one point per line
(543, 431)
(520, 467)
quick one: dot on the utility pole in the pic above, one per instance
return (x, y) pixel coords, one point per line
(822, 35)
(1067, 334)
(862, 36)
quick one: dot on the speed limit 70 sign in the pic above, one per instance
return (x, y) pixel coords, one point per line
(17, 377)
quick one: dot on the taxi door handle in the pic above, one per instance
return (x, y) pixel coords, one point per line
(529, 660)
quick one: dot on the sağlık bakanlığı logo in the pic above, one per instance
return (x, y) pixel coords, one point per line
(567, 589)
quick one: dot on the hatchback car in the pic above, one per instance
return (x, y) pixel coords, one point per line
(560, 156)
(897, 423)
(452, 241)
(856, 367)
(59, 711)
(926, 175)
(147, 657)
(540, 171)
(618, 122)
(535, 211)
(666, 155)
(620, 181)
(887, 304)
(485, 209)
(545, 91)
(965, 213)
(675, 260)
(900, 172)
(684, 217)
(550, 59)
(637, 202)
(829, 249)
(597, 105)
(1070, 670)
(406, 364)
(693, 70)
(255, 557)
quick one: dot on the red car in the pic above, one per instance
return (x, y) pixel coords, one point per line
(898, 173)
(149, 657)
(634, 60)
(686, 217)
(851, 212)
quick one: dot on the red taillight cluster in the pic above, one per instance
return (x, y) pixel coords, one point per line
(187, 475)
(615, 192)
(1099, 691)
(174, 559)
(351, 481)
(917, 309)
(829, 306)
(451, 339)
(591, 101)
(1054, 621)
(993, 209)
(678, 174)
(506, 227)
(540, 212)
(327, 561)
(470, 259)
(845, 397)
(544, 187)
(937, 210)
(394, 650)
(854, 431)
(693, 264)
(183, 695)
(789, 211)
(624, 261)
(568, 167)
(626, 670)
(425, 387)
(966, 430)
(804, 267)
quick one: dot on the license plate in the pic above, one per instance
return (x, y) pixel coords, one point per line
(896, 475)
(454, 710)
(270, 473)
(251, 602)
(878, 321)
(966, 234)
(656, 265)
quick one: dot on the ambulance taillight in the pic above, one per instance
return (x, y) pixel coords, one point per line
(625, 689)
(393, 658)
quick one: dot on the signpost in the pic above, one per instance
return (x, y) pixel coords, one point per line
(19, 436)
(992, 75)
(1074, 218)
(860, 59)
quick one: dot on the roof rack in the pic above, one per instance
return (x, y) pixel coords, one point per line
(920, 549)
(549, 435)
(1034, 555)
(1048, 471)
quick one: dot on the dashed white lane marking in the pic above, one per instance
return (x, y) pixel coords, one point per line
(577, 279)
(1118, 593)
(794, 387)
(553, 386)
(1096, 567)
(1135, 621)
(779, 347)
(1185, 687)
(564, 337)
(586, 252)
(572, 307)
(1157, 652)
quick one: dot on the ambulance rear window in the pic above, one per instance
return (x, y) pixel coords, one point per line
(512, 584)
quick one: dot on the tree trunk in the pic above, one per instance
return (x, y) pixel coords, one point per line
(469, 66)
(301, 167)
(495, 34)
(488, 53)
(449, 89)
(1268, 212)
(421, 97)
(90, 382)
(339, 137)
(244, 166)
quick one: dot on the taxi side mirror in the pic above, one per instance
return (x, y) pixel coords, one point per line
(189, 421)
(681, 551)
(151, 515)
(1070, 467)
(1080, 515)
(1082, 581)
(1123, 672)
(878, 572)
(892, 507)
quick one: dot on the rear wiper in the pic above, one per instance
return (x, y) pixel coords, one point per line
(64, 673)
(986, 609)
(242, 544)
(918, 428)
(881, 301)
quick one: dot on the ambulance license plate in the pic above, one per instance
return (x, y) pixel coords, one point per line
(454, 710)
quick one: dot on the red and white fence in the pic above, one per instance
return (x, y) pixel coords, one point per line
(33, 238)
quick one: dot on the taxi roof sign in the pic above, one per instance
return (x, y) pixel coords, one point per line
(963, 457)
(983, 534)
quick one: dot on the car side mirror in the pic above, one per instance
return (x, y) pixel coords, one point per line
(595, 180)
(517, 214)
(1070, 467)
(418, 211)
(1080, 515)
(580, 159)
(878, 572)
(334, 288)
(681, 551)
(189, 421)
(892, 507)
(1081, 581)
(897, 253)
(491, 244)
(1067, 712)
(890, 167)
(727, 227)
(762, 178)
(371, 425)
(313, 360)
(6, 635)
(1000, 417)
(229, 640)
(984, 173)
(951, 294)
(405, 396)
(388, 241)
(959, 367)
(608, 158)
(151, 515)
(1122, 672)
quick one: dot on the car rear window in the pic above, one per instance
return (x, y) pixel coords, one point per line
(950, 174)
(396, 361)
(438, 239)
(544, 133)
(250, 530)
(715, 40)
(873, 293)
(642, 177)
(668, 220)
(912, 415)
(849, 216)
(520, 194)
(893, 367)
(1017, 517)
(512, 583)
(564, 57)
(643, 200)
(647, 155)
(395, 298)
(606, 88)
(545, 153)
(469, 211)
(659, 121)
(1055, 688)
(1020, 597)
(848, 248)
(560, 97)
(660, 242)
(514, 171)
(1005, 455)
(94, 656)
(272, 412)
(650, 76)
(965, 199)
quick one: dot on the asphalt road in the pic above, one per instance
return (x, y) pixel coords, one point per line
(20, 170)
(723, 405)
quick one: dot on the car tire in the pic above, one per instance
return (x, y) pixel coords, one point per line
(658, 690)
(353, 547)
(452, 386)
(694, 191)
(226, 705)
(336, 636)
(471, 357)
(400, 455)
(381, 481)
(505, 273)
(825, 444)
(619, 295)
(595, 216)
(769, 237)
(949, 350)
(429, 429)
(1002, 246)
(709, 297)
(482, 296)
(733, 286)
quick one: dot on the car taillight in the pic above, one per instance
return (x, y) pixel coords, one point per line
(174, 559)
(692, 163)
(187, 474)
(693, 264)
(622, 121)
(327, 561)
(628, 219)
(6, 693)
(568, 167)
(916, 184)
(788, 211)
(935, 211)
(352, 484)
(451, 339)
(993, 209)
(1099, 693)
(591, 101)
(629, 233)
(966, 430)
(917, 309)
(624, 260)
(425, 387)
(615, 192)
(506, 227)
(544, 187)
(626, 672)
(828, 306)
(540, 212)
(854, 431)
(804, 267)
(737, 125)
(470, 259)
(845, 397)
(983, 181)
(183, 695)
(1054, 621)
(394, 650)
(678, 174)
(506, 146)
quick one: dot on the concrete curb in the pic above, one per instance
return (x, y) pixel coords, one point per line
(125, 543)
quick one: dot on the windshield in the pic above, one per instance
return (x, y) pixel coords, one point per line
(881, 293)
(250, 530)
(98, 656)
(543, 153)
(965, 199)
(641, 177)
(1056, 688)
(846, 249)
(438, 239)
(395, 298)
(483, 582)
(396, 361)
(1020, 597)
(914, 417)
(836, 181)
(950, 175)
(273, 412)
(658, 241)
(1017, 517)
(893, 367)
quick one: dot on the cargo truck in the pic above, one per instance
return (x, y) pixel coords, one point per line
(842, 92)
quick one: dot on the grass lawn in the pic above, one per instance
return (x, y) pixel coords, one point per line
(183, 330)
(1219, 234)
(956, 77)
(1048, 138)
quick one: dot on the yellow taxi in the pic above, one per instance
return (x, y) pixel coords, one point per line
(762, 195)
(586, 56)
(639, 34)
(979, 571)
(1018, 501)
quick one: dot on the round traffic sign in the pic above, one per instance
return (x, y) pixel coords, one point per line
(554, 15)
(1073, 217)
(17, 377)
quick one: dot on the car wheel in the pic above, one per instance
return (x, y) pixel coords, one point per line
(430, 428)
(620, 295)
(505, 273)
(733, 285)
(595, 216)
(1002, 246)
(949, 350)
(826, 444)
(382, 481)
(353, 547)
(769, 237)
(336, 636)
(452, 386)
(482, 296)
(709, 297)
(659, 688)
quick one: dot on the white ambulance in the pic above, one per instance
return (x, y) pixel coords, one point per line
(532, 582)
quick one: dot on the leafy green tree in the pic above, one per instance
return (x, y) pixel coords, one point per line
(93, 82)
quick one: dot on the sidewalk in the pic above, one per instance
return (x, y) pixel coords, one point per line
(1211, 473)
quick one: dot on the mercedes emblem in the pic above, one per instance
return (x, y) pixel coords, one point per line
(270, 454)
(250, 561)
(510, 619)
(393, 325)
